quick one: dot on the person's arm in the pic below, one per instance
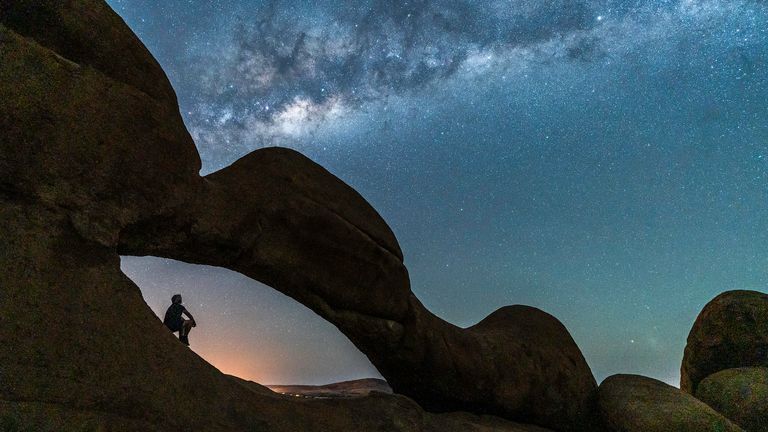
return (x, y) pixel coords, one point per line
(186, 312)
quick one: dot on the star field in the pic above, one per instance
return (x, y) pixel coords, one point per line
(603, 160)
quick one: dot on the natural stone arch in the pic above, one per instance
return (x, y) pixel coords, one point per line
(95, 161)
(278, 217)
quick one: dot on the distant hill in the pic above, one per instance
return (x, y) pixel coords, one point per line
(346, 389)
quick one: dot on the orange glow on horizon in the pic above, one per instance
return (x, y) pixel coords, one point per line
(238, 366)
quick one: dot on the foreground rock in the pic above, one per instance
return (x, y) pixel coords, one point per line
(95, 161)
(730, 332)
(739, 394)
(632, 403)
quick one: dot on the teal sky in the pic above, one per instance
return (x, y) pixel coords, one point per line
(605, 161)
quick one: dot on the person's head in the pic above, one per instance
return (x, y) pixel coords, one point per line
(176, 298)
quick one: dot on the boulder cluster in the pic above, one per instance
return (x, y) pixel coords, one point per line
(725, 363)
(95, 162)
(724, 376)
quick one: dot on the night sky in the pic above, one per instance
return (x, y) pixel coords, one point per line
(603, 160)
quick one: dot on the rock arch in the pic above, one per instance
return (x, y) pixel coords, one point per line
(278, 217)
(95, 162)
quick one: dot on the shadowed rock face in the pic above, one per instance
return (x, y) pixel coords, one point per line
(740, 394)
(730, 332)
(632, 403)
(95, 161)
(73, 137)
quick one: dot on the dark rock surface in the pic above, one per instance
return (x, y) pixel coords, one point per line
(97, 149)
(89, 36)
(632, 403)
(730, 332)
(95, 161)
(740, 394)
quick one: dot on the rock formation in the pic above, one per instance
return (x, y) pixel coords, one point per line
(632, 403)
(730, 332)
(95, 161)
(739, 394)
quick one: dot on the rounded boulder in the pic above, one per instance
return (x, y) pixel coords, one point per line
(633, 403)
(740, 394)
(730, 332)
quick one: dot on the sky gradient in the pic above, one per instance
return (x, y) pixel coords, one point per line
(603, 160)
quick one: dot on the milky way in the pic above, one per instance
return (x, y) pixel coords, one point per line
(605, 161)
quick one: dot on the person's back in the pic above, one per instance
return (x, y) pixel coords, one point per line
(174, 321)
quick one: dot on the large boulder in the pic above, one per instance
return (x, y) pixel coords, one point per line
(95, 161)
(730, 332)
(740, 394)
(633, 403)
(81, 138)
(93, 36)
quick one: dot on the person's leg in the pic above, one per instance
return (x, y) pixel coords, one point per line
(176, 327)
(187, 327)
(184, 333)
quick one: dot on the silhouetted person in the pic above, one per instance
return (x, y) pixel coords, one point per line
(175, 322)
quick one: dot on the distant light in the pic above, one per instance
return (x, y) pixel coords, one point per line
(599, 17)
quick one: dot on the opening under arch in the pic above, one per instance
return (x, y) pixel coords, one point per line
(248, 329)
